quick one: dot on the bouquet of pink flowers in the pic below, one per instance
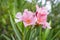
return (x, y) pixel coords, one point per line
(31, 24)
(34, 18)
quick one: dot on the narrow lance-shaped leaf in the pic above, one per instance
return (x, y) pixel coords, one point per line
(7, 38)
(55, 35)
(12, 37)
(15, 29)
(47, 31)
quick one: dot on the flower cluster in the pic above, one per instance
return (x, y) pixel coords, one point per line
(33, 18)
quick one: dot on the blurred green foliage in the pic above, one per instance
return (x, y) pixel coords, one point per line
(11, 7)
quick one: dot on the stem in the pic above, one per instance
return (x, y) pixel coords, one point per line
(23, 37)
(39, 32)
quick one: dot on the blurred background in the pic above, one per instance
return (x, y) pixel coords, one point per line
(11, 6)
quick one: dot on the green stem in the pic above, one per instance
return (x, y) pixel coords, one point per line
(38, 32)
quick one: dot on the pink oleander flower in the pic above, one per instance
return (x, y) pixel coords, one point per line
(28, 18)
(18, 17)
(41, 14)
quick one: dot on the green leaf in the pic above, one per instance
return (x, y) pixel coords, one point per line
(50, 35)
(36, 33)
(39, 33)
(55, 35)
(7, 38)
(19, 25)
(32, 34)
(28, 34)
(15, 28)
(12, 37)
(47, 33)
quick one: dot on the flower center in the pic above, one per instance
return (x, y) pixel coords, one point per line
(28, 21)
(39, 20)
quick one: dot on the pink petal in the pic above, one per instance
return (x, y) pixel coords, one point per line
(25, 10)
(33, 19)
(25, 24)
(37, 7)
(41, 10)
(46, 25)
(28, 15)
(18, 15)
(17, 20)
